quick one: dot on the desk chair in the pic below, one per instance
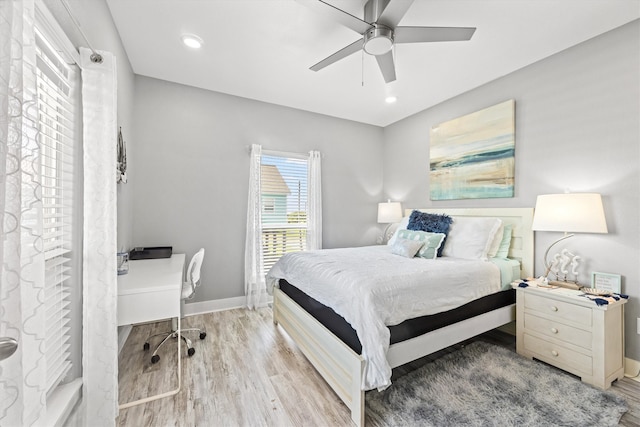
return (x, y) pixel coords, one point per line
(188, 291)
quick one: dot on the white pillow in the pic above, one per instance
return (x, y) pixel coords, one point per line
(471, 237)
(402, 225)
(495, 244)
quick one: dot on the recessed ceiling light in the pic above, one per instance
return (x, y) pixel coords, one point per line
(390, 99)
(192, 41)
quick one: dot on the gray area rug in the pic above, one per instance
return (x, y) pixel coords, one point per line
(486, 385)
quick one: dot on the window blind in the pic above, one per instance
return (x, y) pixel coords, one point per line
(283, 182)
(56, 124)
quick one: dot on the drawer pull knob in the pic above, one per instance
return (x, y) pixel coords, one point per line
(554, 330)
(553, 352)
(554, 308)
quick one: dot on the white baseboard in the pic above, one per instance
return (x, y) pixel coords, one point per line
(632, 369)
(202, 307)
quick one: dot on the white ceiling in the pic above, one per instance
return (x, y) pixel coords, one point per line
(262, 49)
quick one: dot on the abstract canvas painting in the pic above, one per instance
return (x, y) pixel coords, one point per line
(472, 157)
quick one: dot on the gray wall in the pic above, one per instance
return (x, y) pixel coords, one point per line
(191, 174)
(577, 128)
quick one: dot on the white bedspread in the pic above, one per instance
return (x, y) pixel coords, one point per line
(372, 288)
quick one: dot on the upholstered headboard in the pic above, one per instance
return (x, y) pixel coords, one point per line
(522, 238)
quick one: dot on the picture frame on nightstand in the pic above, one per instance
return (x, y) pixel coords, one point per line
(606, 281)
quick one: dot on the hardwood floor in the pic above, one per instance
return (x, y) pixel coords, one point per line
(248, 372)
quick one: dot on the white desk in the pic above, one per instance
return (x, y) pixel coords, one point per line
(151, 291)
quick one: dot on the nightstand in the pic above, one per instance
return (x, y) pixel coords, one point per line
(571, 332)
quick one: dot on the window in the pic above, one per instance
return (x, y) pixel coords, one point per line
(284, 205)
(57, 84)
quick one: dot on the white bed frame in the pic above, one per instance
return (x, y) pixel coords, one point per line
(343, 368)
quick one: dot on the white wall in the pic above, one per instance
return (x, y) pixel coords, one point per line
(192, 170)
(577, 128)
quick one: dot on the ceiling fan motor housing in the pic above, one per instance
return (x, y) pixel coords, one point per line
(378, 40)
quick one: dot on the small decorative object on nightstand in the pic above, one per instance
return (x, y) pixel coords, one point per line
(583, 335)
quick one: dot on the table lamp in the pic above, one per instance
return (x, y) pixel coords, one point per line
(388, 213)
(568, 213)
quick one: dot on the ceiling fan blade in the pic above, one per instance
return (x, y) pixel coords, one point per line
(342, 53)
(338, 15)
(432, 34)
(393, 12)
(385, 62)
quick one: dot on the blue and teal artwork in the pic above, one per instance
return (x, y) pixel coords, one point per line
(473, 156)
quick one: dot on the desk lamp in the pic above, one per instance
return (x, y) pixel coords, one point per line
(388, 213)
(568, 213)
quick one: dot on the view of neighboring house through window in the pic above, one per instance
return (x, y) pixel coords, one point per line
(284, 206)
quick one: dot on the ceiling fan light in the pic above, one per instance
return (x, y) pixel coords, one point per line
(378, 40)
(192, 41)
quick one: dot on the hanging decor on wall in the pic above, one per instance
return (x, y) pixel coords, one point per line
(121, 165)
(472, 157)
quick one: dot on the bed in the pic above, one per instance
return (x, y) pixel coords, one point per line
(337, 357)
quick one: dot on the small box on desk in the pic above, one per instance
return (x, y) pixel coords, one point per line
(151, 252)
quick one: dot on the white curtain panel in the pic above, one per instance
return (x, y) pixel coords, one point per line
(22, 317)
(314, 212)
(100, 288)
(255, 286)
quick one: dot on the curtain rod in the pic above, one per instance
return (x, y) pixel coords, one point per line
(95, 56)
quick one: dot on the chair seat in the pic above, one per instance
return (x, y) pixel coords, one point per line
(187, 291)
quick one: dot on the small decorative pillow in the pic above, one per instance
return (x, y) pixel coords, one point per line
(505, 244)
(433, 223)
(471, 237)
(402, 225)
(431, 242)
(406, 248)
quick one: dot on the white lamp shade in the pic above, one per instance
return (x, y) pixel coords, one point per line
(389, 212)
(570, 213)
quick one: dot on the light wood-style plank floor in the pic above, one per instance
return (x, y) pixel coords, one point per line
(248, 372)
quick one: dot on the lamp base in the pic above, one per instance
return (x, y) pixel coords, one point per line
(568, 285)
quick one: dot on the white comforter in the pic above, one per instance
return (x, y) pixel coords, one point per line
(372, 288)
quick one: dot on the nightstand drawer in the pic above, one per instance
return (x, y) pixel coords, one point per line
(558, 356)
(557, 330)
(558, 309)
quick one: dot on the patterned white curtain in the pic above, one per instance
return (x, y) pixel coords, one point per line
(22, 317)
(255, 286)
(314, 211)
(100, 289)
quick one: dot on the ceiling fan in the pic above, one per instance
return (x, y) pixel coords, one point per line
(380, 31)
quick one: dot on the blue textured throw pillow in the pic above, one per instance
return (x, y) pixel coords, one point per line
(434, 223)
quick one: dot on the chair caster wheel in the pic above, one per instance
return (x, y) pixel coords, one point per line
(145, 347)
(155, 358)
(191, 351)
(202, 335)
